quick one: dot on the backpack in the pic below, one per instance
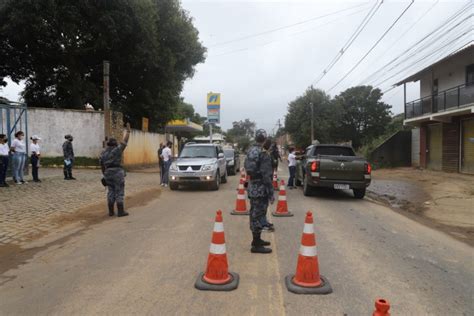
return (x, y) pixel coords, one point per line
(252, 163)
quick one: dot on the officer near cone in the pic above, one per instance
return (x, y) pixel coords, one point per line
(114, 174)
(260, 191)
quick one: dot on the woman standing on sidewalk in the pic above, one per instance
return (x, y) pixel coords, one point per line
(35, 156)
(18, 148)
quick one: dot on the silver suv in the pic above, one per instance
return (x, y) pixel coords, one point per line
(199, 164)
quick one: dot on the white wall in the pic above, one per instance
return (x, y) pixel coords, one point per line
(51, 125)
(450, 73)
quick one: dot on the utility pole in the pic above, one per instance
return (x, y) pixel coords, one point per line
(312, 122)
(106, 99)
(210, 133)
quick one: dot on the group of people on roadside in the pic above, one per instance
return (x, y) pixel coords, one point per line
(17, 152)
(165, 156)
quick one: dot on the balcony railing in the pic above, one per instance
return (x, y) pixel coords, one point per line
(445, 100)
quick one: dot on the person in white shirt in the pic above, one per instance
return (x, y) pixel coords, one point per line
(292, 167)
(4, 157)
(18, 148)
(35, 157)
(167, 155)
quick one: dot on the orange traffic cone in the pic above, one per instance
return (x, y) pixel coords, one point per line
(217, 277)
(381, 307)
(240, 204)
(241, 184)
(307, 279)
(282, 205)
(275, 181)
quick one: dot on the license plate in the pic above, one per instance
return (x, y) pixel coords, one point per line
(341, 186)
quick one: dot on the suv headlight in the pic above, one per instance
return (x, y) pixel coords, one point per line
(207, 167)
(174, 167)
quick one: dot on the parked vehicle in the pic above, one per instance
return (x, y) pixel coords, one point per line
(199, 164)
(333, 166)
(233, 161)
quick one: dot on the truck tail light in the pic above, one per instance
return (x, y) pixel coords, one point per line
(315, 166)
(368, 168)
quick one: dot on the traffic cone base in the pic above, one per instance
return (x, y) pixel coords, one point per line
(287, 214)
(234, 212)
(323, 288)
(232, 284)
(217, 276)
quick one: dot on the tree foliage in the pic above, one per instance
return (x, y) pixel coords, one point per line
(356, 114)
(241, 133)
(57, 47)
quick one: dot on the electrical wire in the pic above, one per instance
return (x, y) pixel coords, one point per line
(376, 74)
(284, 27)
(402, 36)
(351, 39)
(373, 46)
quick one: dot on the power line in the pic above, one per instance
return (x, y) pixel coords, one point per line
(404, 33)
(285, 27)
(351, 39)
(373, 46)
(287, 37)
(418, 42)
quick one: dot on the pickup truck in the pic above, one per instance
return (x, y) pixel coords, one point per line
(333, 166)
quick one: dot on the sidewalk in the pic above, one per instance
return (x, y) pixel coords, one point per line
(32, 210)
(441, 200)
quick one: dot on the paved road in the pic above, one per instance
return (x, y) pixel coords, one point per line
(147, 263)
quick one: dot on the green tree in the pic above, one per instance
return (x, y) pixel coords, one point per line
(298, 118)
(364, 116)
(241, 133)
(57, 47)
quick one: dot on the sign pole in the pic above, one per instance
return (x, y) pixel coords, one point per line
(210, 133)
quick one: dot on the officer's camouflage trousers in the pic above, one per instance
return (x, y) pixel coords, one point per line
(115, 178)
(258, 210)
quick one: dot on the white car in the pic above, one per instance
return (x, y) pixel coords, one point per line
(199, 164)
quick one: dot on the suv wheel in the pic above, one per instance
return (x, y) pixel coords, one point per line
(359, 193)
(174, 186)
(217, 181)
(307, 190)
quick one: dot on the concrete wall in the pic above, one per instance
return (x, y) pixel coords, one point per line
(51, 125)
(450, 73)
(142, 148)
(394, 152)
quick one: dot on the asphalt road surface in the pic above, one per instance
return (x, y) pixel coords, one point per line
(148, 262)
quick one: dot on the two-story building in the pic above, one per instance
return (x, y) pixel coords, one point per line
(444, 115)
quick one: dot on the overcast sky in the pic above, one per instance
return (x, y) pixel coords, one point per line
(258, 75)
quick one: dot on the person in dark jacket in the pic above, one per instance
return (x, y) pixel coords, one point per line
(68, 153)
(114, 174)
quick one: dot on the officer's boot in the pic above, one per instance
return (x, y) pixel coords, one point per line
(120, 209)
(111, 208)
(66, 175)
(257, 245)
(70, 175)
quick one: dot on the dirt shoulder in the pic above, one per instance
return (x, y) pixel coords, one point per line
(444, 201)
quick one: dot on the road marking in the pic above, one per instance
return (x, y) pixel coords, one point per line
(279, 289)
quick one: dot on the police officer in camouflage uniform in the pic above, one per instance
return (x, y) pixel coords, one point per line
(260, 191)
(114, 174)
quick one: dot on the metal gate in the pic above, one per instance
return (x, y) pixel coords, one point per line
(435, 149)
(467, 146)
(14, 118)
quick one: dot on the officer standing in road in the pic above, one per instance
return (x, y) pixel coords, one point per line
(68, 152)
(260, 191)
(114, 174)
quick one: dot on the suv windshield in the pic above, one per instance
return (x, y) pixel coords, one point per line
(198, 152)
(333, 151)
(229, 153)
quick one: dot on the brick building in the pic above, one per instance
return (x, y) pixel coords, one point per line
(444, 115)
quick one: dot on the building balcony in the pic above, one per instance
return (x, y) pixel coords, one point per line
(445, 101)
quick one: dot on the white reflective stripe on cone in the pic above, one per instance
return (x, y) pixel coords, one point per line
(218, 227)
(217, 249)
(240, 197)
(282, 188)
(282, 198)
(308, 251)
(308, 229)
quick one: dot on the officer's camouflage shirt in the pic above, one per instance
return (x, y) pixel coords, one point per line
(263, 186)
